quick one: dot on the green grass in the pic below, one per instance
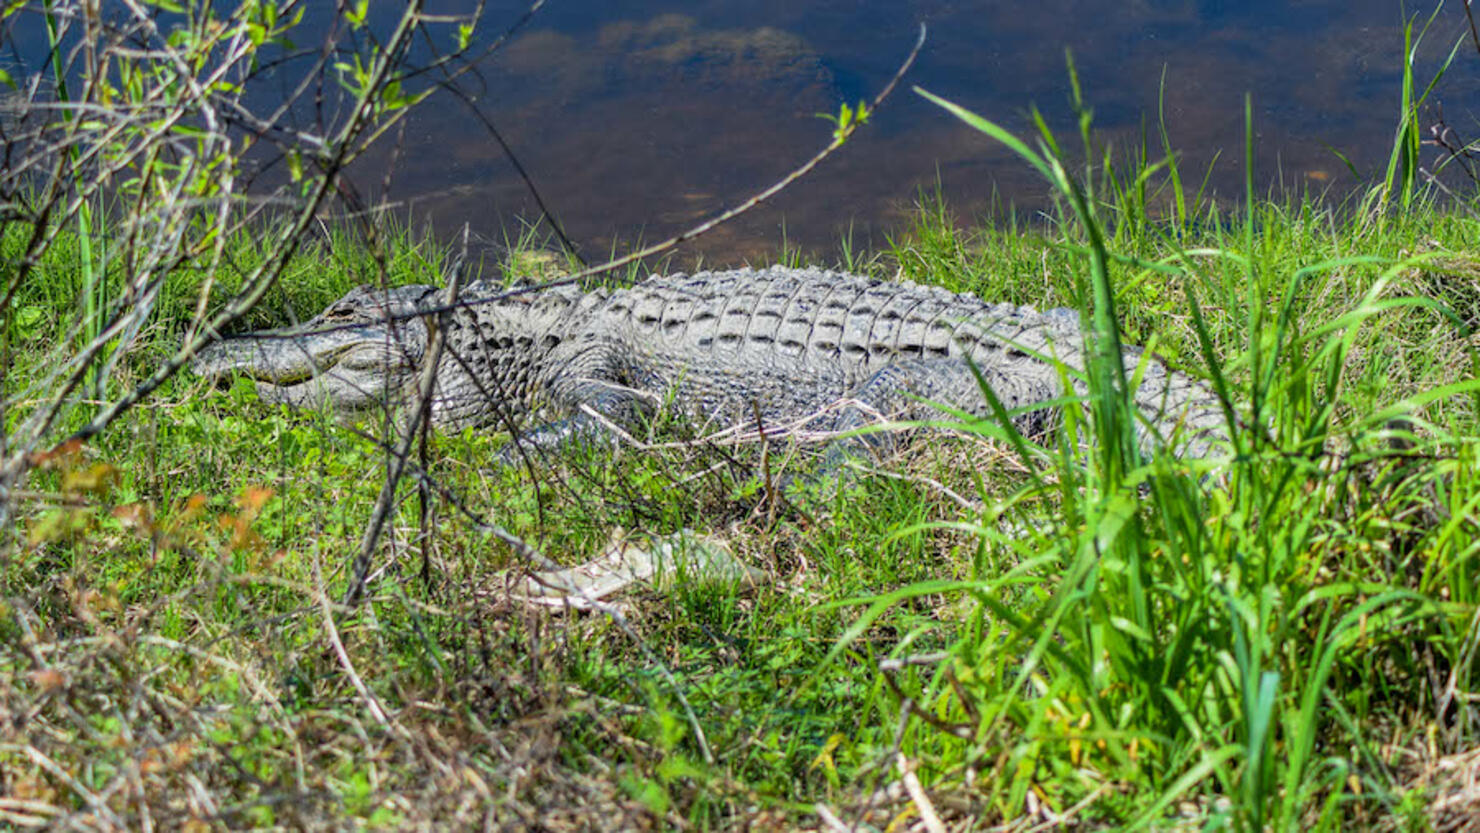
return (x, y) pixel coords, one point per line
(1262, 642)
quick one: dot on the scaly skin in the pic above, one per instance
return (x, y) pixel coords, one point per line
(722, 346)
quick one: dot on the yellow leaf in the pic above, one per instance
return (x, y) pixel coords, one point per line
(95, 478)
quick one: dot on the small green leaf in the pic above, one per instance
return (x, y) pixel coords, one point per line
(357, 15)
(393, 97)
(847, 120)
(28, 321)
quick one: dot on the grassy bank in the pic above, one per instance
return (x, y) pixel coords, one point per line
(985, 630)
(1284, 638)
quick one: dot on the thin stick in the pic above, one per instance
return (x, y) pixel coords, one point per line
(88, 797)
(918, 796)
(1470, 16)
(830, 819)
(532, 558)
(437, 339)
(372, 703)
(780, 185)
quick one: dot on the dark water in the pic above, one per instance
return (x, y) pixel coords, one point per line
(637, 119)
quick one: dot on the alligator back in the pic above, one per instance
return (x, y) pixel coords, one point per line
(789, 342)
(855, 324)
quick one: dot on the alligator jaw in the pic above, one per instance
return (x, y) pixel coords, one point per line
(363, 350)
(348, 369)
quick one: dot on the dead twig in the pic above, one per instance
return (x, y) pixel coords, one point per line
(917, 795)
(396, 466)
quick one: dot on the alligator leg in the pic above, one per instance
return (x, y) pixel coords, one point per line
(595, 394)
(924, 389)
(681, 556)
(591, 425)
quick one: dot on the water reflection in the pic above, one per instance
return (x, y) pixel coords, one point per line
(636, 120)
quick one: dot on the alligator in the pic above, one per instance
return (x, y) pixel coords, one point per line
(773, 347)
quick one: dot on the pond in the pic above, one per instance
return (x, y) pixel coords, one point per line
(635, 120)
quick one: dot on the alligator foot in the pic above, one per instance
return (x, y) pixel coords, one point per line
(682, 556)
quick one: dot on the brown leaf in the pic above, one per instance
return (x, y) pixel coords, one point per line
(137, 516)
(254, 498)
(49, 679)
(58, 455)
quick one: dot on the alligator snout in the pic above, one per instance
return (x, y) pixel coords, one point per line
(347, 368)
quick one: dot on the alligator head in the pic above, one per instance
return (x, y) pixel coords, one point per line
(360, 353)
